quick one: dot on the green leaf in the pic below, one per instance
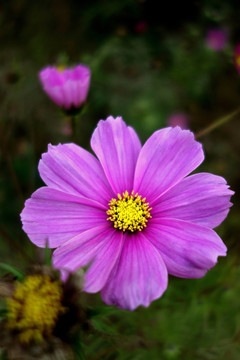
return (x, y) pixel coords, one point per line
(9, 268)
(78, 347)
(3, 313)
(101, 311)
(2, 356)
(102, 327)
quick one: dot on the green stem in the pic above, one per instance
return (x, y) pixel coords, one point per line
(74, 128)
(217, 123)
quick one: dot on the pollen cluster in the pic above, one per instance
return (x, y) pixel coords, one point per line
(129, 212)
(61, 68)
(34, 308)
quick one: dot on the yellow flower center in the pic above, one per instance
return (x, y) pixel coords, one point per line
(61, 68)
(129, 213)
(34, 307)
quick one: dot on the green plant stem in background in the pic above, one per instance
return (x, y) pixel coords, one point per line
(48, 255)
(74, 116)
(76, 127)
(217, 123)
(11, 269)
(74, 122)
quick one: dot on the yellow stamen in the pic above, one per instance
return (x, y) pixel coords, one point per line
(61, 68)
(34, 307)
(129, 213)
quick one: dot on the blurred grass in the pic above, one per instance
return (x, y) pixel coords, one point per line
(144, 77)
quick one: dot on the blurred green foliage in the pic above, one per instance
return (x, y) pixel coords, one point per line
(144, 76)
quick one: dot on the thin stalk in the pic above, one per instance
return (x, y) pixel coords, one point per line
(217, 123)
(74, 128)
(74, 115)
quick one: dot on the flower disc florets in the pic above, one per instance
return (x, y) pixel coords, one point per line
(129, 212)
(35, 307)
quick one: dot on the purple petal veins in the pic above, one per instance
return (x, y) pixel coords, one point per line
(165, 159)
(117, 147)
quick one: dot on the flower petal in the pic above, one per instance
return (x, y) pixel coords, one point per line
(201, 198)
(117, 146)
(188, 250)
(99, 248)
(54, 217)
(139, 277)
(52, 81)
(166, 158)
(66, 88)
(74, 94)
(73, 170)
(75, 88)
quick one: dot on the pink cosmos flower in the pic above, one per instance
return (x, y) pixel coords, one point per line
(67, 87)
(130, 214)
(216, 39)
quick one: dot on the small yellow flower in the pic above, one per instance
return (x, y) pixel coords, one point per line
(34, 308)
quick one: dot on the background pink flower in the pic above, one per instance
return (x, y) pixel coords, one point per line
(167, 216)
(67, 87)
(216, 39)
(178, 119)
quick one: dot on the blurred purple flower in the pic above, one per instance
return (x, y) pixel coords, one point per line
(237, 57)
(178, 119)
(131, 215)
(67, 87)
(216, 39)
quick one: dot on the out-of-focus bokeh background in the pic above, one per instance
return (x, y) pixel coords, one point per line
(155, 64)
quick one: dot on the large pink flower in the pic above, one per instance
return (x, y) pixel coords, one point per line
(67, 87)
(94, 211)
